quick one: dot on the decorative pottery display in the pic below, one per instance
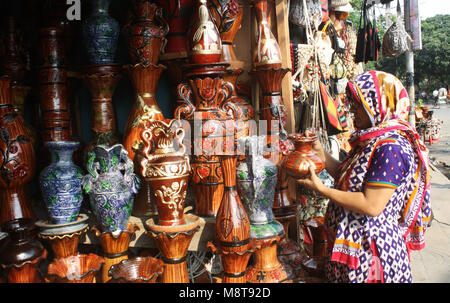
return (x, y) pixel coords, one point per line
(204, 43)
(206, 96)
(102, 81)
(111, 185)
(233, 239)
(266, 267)
(298, 162)
(80, 268)
(136, 270)
(146, 33)
(267, 51)
(115, 247)
(17, 160)
(60, 183)
(63, 238)
(173, 243)
(227, 15)
(166, 168)
(177, 14)
(52, 74)
(100, 33)
(256, 181)
(145, 109)
(21, 253)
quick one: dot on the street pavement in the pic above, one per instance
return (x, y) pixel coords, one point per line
(432, 264)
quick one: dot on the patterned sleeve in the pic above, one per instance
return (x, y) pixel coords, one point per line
(389, 163)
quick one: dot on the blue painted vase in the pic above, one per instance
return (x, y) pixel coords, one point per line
(100, 33)
(60, 183)
(256, 182)
(111, 185)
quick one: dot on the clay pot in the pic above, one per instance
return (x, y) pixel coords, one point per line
(75, 269)
(102, 81)
(166, 167)
(52, 69)
(298, 162)
(137, 270)
(100, 33)
(267, 51)
(17, 159)
(227, 15)
(146, 33)
(204, 43)
(21, 253)
(177, 14)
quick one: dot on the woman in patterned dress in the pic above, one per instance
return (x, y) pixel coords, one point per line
(380, 204)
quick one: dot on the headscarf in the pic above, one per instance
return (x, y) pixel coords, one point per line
(386, 102)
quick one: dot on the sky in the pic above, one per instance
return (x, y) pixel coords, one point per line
(430, 8)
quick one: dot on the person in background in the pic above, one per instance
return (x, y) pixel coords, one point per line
(380, 204)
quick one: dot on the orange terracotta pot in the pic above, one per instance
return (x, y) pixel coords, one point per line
(79, 268)
(136, 270)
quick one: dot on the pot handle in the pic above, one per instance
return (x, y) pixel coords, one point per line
(187, 109)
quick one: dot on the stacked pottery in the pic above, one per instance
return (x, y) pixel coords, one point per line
(100, 33)
(80, 268)
(17, 160)
(166, 167)
(21, 253)
(60, 183)
(111, 185)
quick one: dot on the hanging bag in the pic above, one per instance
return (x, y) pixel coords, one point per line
(395, 40)
(368, 43)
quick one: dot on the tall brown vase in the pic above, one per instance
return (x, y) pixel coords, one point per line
(102, 81)
(233, 242)
(17, 160)
(52, 69)
(145, 109)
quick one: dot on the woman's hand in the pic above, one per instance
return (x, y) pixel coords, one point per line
(312, 182)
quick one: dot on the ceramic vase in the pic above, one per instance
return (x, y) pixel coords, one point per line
(166, 167)
(17, 159)
(80, 268)
(102, 81)
(60, 183)
(298, 162)
(12, 63)
(136, 270)
(267, 51)
(207, 98)
(227, 15)
(111, 185)
(52, 77)
(204, 43)
(176, 14)
(100, 33)
(21, 253)
(256, 180)
(146, 33)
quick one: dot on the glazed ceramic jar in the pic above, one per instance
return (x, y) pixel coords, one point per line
(297, 163)
(166, 167)
(17, 159)
(146, 33)
(204, 43)
(111, 185)
(60, 183)
(21, 252)
(256, 180)
(100, 33)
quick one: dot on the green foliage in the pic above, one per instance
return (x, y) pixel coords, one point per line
(431, 64)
